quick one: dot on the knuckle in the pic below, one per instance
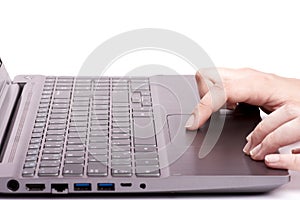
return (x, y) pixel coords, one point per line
(260, 128)
(258, 132)
(296, 162)
(271, 143)
(201, 105)
(291, 110)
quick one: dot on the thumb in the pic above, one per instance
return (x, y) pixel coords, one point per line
(283, 161)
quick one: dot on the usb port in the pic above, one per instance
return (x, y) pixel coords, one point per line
(106, 186)
(82, 186)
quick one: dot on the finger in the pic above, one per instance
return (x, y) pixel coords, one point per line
(283, 161)
(210, 103)
(202, 84)
(286, 134)
(269, 124)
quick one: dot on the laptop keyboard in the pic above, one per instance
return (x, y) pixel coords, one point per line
(93, 127)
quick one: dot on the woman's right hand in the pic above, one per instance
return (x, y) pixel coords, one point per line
(277, 95)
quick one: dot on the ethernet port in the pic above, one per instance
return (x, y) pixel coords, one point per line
(61, 188)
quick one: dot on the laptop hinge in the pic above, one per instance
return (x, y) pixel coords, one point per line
(9, 98)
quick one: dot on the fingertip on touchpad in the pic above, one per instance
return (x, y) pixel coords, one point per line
(179, 134)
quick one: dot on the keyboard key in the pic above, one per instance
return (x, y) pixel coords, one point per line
(120, 96)
(121, 171)
(121, 155)
(98, 158)
(75, 147)
(97, 152)
(73, 170)
(75, 153)
(74, 160)
(48, 150)
(98, 146)
(121, 142)
(30, 164)
(145, 155)
(121, 136)
(141, 114)
(31, 158)
(118, 162)
(120, 125)
(77, 141)
(146, 162)
(62, 95)
(98, 139)
(48, 171)
(147, 171)
(54, 144)
(34, 146)
(97, 169)
(51, 156)
(98, 133)
(52, 163)
(120, 148)
(33, 152)
(145, 149)
(55, 138)
(145, 141)
(143, 128)
(28, 172)
(55, 132)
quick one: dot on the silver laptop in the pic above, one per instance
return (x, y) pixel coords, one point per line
(75, 135)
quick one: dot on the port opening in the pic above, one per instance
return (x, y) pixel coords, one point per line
(59, 188)
(143, 186)
(106, 186)
(13, 185)
(126, 184)
(82, 186)
(35, 187)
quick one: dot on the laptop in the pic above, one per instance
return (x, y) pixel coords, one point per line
(76, 135)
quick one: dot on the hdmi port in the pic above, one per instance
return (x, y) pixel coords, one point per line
(35, 187)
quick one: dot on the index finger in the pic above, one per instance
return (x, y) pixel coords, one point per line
(212, 101)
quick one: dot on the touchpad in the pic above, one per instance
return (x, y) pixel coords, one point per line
(222, 150)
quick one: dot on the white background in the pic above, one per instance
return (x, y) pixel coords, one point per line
(55, 37)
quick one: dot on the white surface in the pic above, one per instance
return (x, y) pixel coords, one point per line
(55, 37)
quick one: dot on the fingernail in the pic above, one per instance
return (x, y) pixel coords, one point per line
(296, 151)
(249, 136)
(190, 121)
(255, 150)
(272, 158)
(247, 147)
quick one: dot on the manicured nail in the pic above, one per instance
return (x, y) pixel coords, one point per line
(255, 150)
(272, 158)
(249, 136)
(190, 121)
(296, 151)
(247, 148)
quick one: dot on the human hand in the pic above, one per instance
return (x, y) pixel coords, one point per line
(272, 93)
